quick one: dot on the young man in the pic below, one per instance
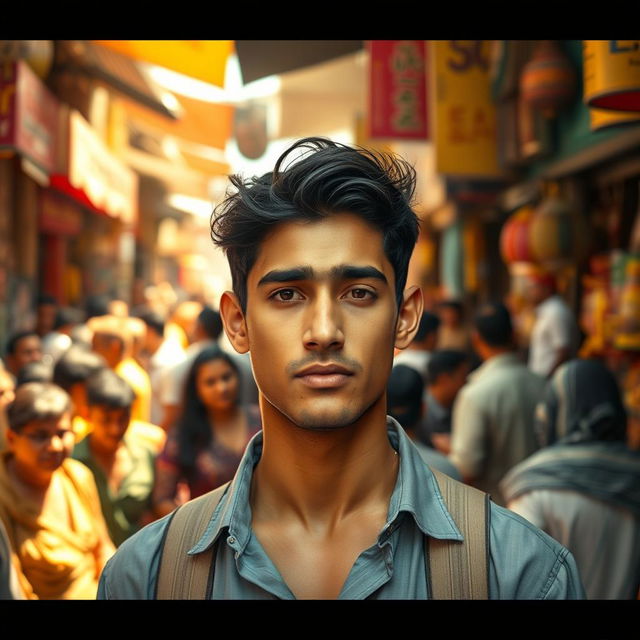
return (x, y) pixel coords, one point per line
(554, 338)
(331, 499)
(122, 462)
(493, 415)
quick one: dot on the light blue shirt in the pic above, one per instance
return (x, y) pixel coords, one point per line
(525, 563)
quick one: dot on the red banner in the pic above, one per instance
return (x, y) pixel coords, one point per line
(398, 89)
(28, 114)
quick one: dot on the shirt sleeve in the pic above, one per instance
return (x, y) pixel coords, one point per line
(528, 564)
(468, 436)
(131, 574)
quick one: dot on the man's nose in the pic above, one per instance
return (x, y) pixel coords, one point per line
(324, 324)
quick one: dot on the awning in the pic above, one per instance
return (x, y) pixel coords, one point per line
(116, 70)
(206, 59)
(202, 59)
(261, 58)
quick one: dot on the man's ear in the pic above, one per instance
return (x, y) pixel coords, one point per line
(409, 316)
(234, 323)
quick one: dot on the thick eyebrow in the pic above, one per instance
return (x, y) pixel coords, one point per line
(341, 272)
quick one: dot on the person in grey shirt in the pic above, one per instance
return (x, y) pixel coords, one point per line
(330, 500)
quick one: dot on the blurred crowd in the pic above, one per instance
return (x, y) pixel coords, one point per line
(112, 417)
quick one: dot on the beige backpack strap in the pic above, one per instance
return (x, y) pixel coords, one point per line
(460, 570)
(181, 576)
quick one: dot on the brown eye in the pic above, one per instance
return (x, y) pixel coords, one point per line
(285, 295)
(362, 294)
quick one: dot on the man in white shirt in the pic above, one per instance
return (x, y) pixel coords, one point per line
(555, 333)
(493, 414)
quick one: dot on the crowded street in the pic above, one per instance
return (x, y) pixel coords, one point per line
(320, 320)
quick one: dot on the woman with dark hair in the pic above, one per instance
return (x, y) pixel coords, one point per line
(205, 446)
(583, 488)
(49, 503)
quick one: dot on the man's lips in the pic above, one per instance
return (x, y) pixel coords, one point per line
(328, 376)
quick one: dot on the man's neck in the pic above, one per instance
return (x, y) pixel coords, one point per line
(320, 478)
(490, 354)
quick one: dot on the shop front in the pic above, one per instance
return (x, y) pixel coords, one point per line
(96, 196)
(28, 119)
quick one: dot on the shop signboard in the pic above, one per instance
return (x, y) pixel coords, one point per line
(398, 89)
(28, 115)
(109, 185)
(612, 74)
(464, 114)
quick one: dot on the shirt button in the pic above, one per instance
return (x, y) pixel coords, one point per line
(231, 540)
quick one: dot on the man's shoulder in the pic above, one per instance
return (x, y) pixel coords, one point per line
(527, 563)
(131, 573)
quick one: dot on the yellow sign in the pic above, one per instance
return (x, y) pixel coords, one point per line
(201, 59)
(612, 74)
(465, 115)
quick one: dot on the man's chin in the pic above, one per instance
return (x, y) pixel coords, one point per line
(327, 420)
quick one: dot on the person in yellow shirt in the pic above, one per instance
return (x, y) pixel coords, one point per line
(49, 503)
(112, 339)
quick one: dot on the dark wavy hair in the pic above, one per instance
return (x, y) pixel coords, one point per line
(193, 428)
(327, 178)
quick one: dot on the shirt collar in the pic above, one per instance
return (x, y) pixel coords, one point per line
(416, 493)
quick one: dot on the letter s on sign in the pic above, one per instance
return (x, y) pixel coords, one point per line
(463, 64)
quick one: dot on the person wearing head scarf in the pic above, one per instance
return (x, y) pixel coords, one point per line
(583, 487)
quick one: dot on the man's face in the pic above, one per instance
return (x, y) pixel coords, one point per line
(108, 426)
(29, 349)
(321, 320)
(535, 292)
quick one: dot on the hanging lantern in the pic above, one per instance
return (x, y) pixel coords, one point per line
(556, 233)
(514, 239)
(548, 80)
